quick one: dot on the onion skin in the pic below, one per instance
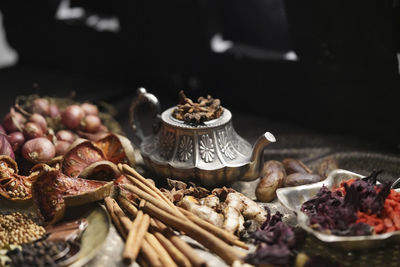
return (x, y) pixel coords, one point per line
(61, 147)
(90, 109)
(5, 147)
(54, 111)
(32, 130)
(38, 150)
(16, 140)
(91, 124)
(41, 106)
(66, 135)
(39, 120)
(72, 116)
(9, 124)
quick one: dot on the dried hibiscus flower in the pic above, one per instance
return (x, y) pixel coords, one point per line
(337, 211)
(275, 242)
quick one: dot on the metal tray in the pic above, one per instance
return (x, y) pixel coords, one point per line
(293, 197)
(92, 238)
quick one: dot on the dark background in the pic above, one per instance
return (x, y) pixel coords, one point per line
(344, 87)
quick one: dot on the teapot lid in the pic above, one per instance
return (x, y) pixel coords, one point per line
(167, 117)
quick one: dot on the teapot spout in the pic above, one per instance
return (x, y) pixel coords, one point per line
(257, 156)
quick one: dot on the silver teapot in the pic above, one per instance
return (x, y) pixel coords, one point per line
(212, 153)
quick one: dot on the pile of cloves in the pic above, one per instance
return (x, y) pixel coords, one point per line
(206, 109)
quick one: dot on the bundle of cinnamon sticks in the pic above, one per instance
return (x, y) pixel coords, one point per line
(152, 237)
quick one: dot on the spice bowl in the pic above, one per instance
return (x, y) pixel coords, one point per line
(293, 198)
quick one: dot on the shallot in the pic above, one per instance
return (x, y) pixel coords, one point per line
(54, 111)
(38, 150)
(41, 106)
(32, 130)
(39, 120)
(61, 147)
(91, 123)
(72, 116)
(2, 131)
(66, 135)
(16, 140)
(13, 121)
(90, 109)
(5, 147)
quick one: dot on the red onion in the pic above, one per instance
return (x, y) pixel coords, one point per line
(61, 147)
(32, 130)
(16, 140)
(91, 124)
(38, 150)
(54, 111)
(5, 147)
(2, 131)
(39, 120)
(90, 109)
(72, 116)
(103, 128)
(41, 106)
(66, 135)
(13, 121)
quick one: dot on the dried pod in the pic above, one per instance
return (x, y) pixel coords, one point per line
(326, 166)
(12, 185)
(53, 192)
(298, 178)
(102, 170)
(117, 149)
(273, 175)
(81, 154)
(92, 136)
(294, 165)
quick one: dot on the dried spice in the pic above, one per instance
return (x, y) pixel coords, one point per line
(41, 253)
(275, 242)
(190, 112)
(12, 185)
(53, 191)
(357, 207)
(16, 228)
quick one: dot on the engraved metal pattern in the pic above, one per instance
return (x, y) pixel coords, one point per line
(206, 148)
(185, 149)
(231, 136)
(225, 145)
(167, 142)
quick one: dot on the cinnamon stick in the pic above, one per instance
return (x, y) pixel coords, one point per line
(152, 258)
(181, 245)
(164, 256)
(149, 198)
(126, 169)
(114, 217)
(228, 253)
(125, 223)
(175, 254)
(186, 249)
(133, 240)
